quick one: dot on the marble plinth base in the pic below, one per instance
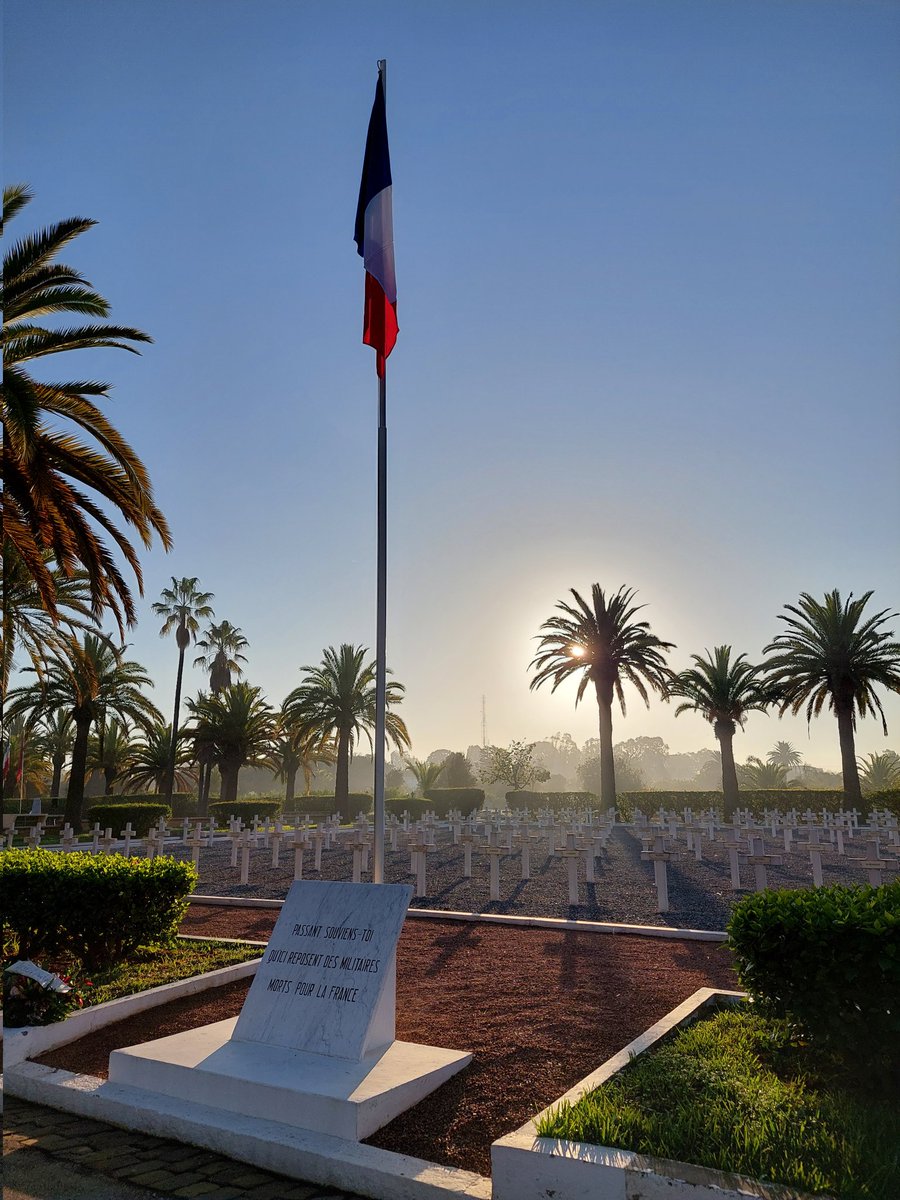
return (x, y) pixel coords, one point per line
(308, 1091)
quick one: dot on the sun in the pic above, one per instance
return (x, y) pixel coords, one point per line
(577, 651)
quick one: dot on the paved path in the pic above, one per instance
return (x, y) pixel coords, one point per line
(49, 1155)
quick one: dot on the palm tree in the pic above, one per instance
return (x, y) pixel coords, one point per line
(831, 655)
(337, 700)
(27, 765)
(183, 607)
(93, 680)
(763, 776)
(604, 642)
(724, 692)
(109, 751)
(784, 755)
(27, 621)
(150, 759)
(221, 645)
(238, 727)
(59, 490)
(57, 735)
(880, 772)
(299, 748)
(426, 774)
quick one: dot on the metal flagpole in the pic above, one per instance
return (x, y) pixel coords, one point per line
(381, 603)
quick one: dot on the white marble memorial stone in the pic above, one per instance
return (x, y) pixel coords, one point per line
(326, 984)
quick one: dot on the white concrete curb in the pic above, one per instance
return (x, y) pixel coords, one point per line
(436, 914)
(528, 1167)
(300, 1154)
(29, 1041)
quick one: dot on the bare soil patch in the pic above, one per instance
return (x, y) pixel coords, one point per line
(539, 1009)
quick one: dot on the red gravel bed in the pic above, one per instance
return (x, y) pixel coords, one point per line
(539, 1010)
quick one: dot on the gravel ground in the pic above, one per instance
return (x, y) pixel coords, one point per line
(700, 893)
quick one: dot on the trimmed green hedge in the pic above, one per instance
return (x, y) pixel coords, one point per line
(97, 907)
(555, 800)
(396, 806)
(115, 815)
(222, 810)
(322, 804)
(829, 959)
(829, 799)
(466, 800)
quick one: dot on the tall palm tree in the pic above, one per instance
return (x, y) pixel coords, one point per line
(337, 700)
(830, 654)
(238, 726)
(297, 748)
(94, 679)
(221, 655)
(604, 642)
(783, 754)
(109, 751)
(149, 761)
(426, 774)
(880, 772)
(183, 606)
(27, 766)
(27, 622)
(59, 489)
(724, 692)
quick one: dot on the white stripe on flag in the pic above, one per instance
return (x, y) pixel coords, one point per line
(379, 242)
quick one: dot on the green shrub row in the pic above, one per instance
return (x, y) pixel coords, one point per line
(97, 907)
(817, 799)
(115, 815)
(553, 800)
(323, 804)
(441, 801)
(246, 810)
(829, 959)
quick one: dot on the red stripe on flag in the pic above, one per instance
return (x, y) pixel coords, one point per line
(379, 322)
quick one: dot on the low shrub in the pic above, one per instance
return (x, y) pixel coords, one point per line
(222, 810)
(889, 800)
(817, 799)
(552, 800)
(829, 959)
(115, 815)
(396, 806)
(322, 804)
(97, 907)
(444, 800)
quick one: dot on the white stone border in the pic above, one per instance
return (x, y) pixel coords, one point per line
(528, 1167)
(298, 1153)
(28, 1041)
(439, 914)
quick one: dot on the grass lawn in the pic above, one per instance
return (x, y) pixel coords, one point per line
(735, 1092)
(151, 966)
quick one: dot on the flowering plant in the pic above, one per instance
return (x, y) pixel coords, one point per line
(32, 996)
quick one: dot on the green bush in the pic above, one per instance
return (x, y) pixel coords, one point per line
(97, 907)
(829, 959)
(115, 814)
(396, 806)
(465, 800)
(889, 800)
(322, 804)
(223, 810)
(553, 800)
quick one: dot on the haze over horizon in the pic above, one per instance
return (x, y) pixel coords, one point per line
(647, 261)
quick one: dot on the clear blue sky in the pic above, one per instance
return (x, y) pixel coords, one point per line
(648, 266)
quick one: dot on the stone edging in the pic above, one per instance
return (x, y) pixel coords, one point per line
(435, 914)
(528, 1167)
(29, 1041)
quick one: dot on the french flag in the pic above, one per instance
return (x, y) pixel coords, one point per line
(374, 236)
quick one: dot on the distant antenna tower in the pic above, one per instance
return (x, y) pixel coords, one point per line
(483, 722)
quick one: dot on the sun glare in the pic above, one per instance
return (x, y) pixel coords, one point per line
(577, 651)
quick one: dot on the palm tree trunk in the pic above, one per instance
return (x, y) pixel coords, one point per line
(607, 761)
(75, 794)
(724, 731)
(290, 779)
(342, 772)
(170, 773)
(203, 789)
(109, 780)
(56, 782)
(849, 770)
(229, 769)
